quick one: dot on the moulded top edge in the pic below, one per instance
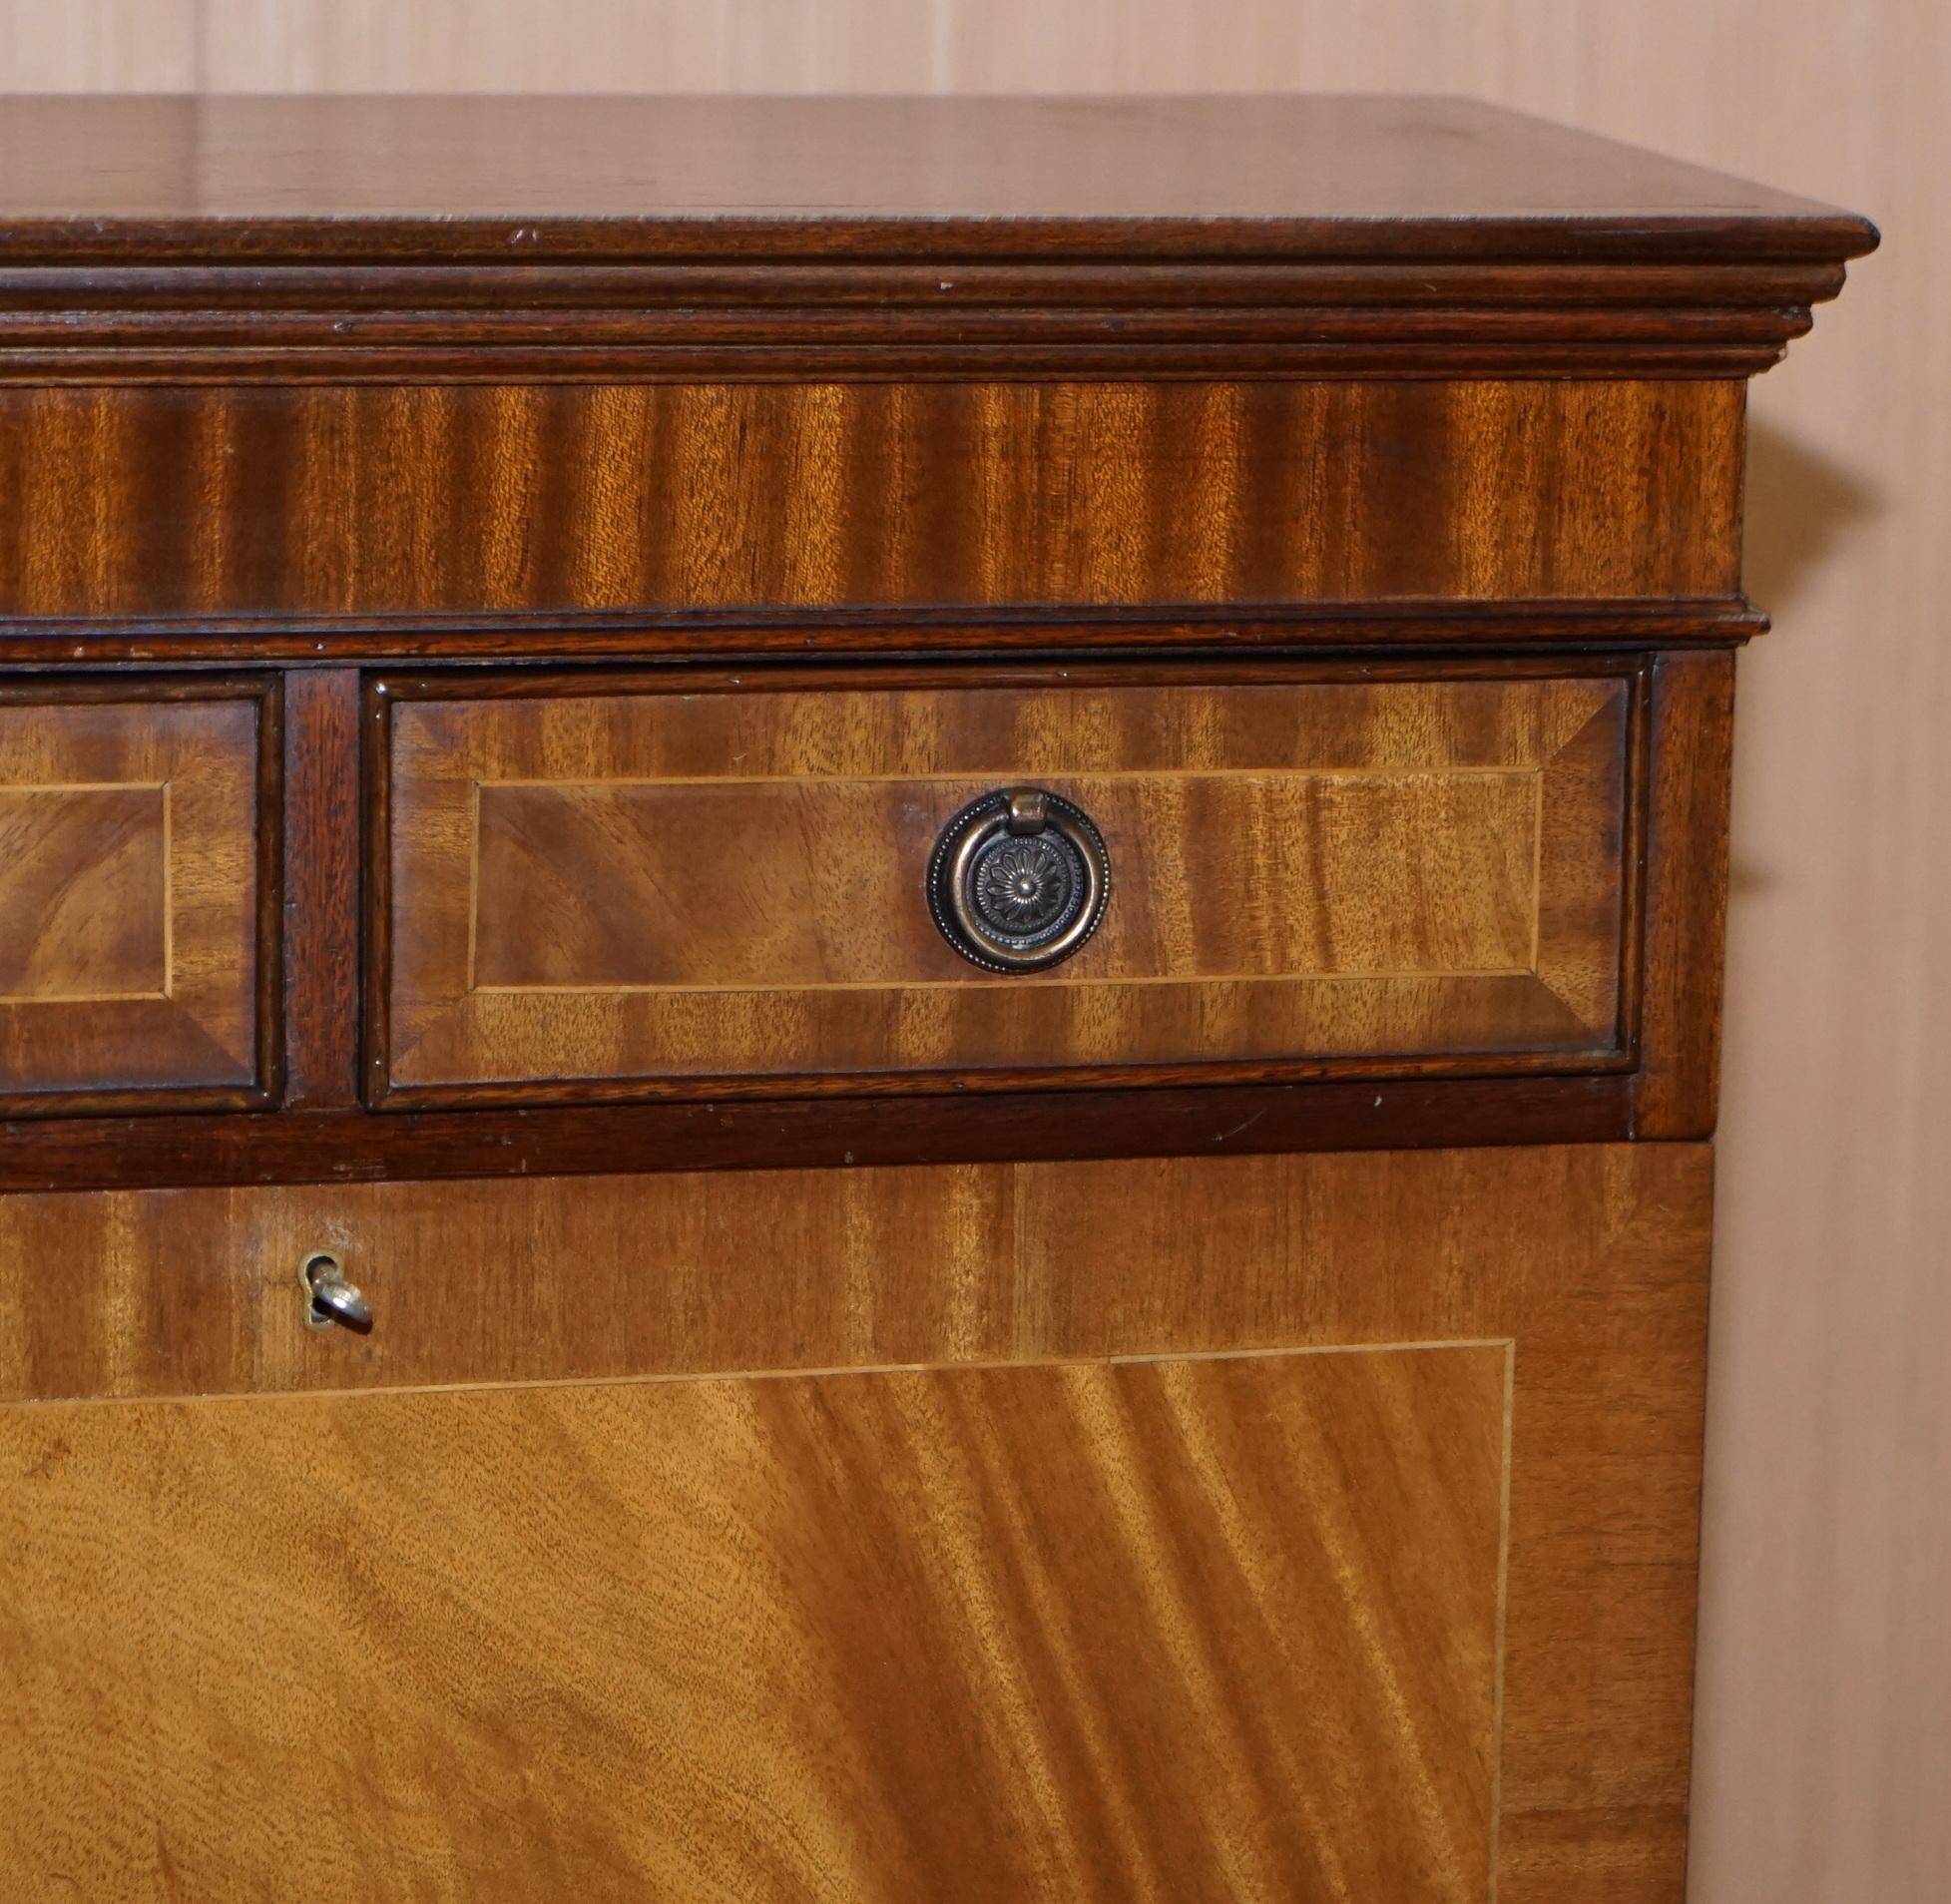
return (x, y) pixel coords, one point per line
(438, 179)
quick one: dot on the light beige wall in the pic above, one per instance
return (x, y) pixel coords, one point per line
(1824, 1761)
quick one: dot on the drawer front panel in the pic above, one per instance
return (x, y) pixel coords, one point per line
(130, 881)
(633, 891)
(1215, 1528)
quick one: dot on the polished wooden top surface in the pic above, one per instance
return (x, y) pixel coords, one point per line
(526, 178)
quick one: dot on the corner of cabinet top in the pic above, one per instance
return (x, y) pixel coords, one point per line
(240, 239)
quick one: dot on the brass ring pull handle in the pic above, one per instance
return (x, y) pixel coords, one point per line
(329, 1299)
(1018, 880)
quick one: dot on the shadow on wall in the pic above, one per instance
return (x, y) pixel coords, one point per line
(1799, 503)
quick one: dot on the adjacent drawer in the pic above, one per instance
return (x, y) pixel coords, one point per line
(627, 886)
(134, 856)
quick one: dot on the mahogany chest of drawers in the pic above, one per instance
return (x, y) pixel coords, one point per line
(858, 983)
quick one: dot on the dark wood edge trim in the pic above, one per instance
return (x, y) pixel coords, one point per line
(773, 675)
(697, 310)
(767, 300)
(1633, 843)
(55, 689)
(270, 885)
(323, 821)
(1064, 1080)
(1677, 1087)
(140, 1100)
(1820, 232)
(559, 635)
(748, 290)
(1611, 362)
(376, 910)
(320, 1147)
(942, 332)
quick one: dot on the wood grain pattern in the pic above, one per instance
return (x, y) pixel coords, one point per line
(514, 239)
(302, 1146)
(640, 886)
(1099, 1632)
(84, 910)
(1691, 745)
(649, 177)
(136, 503)
(1821, 1780)
(130, 888)
(1590, 1259)
(321, 806)
(1538, 626)
(755, 885)
(1166, 1118)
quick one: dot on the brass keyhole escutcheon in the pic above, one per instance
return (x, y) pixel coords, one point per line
(331, 1301)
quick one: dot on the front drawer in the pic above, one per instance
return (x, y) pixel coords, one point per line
(638, 885)
(134, 858)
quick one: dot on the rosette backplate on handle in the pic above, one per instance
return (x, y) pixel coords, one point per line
(1019, 879)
